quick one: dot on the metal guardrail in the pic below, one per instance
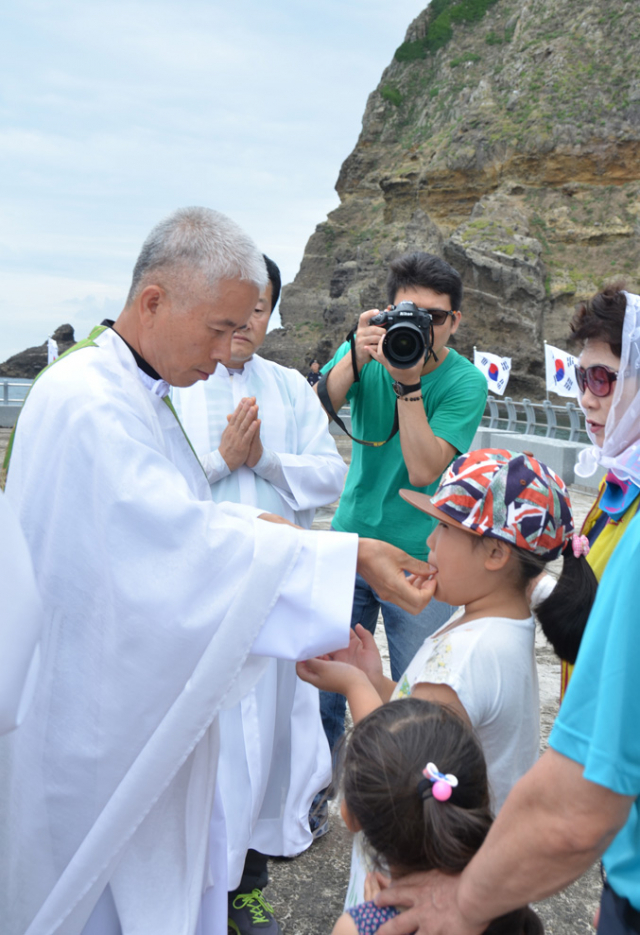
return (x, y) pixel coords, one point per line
(526, 417)
(13, 391)
(529, 418)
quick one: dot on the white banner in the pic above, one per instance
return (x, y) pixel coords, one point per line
(52, 350)
(496, 370)
(560, 371)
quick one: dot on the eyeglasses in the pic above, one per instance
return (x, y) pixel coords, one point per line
(598, 378)
(438, 315)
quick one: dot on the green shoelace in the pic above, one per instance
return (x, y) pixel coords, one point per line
(255, 903)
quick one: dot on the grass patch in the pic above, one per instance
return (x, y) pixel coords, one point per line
(463, 59)
(391, 94)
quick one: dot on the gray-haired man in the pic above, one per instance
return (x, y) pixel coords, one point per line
(157, 601)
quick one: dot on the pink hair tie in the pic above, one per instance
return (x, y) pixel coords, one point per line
(443, 783)
(580, 546)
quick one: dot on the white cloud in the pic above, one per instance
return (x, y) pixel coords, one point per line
(114, 113)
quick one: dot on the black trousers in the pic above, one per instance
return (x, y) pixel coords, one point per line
(617, 915)
(255, 875)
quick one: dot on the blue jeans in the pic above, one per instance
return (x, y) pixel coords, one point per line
(405, 635)
(617, 916)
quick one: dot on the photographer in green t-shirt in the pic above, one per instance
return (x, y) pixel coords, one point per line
(440, 401)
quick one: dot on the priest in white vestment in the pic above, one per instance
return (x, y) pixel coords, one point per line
(158, 604)
(263, 439)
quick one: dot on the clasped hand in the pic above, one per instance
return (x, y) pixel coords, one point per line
(240, 442)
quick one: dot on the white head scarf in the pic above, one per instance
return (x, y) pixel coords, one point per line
(620, 452)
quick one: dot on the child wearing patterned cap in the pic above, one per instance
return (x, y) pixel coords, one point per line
(502, 517)
(414, 782)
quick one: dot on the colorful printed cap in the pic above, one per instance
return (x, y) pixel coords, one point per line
(505, 495)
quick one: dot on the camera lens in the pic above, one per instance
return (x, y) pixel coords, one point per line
(404, 345)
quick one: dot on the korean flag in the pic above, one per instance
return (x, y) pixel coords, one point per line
(560, 371)
(496, 370)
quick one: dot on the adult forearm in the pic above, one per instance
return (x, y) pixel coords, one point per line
(552, 828)
(425, 455)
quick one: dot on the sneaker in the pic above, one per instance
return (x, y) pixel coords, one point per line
(251, 914)
(319, 818)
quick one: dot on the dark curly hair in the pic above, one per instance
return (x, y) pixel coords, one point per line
(601, 318)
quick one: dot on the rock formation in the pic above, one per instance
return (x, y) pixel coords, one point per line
(27, 364)
(504, 136)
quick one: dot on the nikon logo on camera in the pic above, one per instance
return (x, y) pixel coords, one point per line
(409, 336)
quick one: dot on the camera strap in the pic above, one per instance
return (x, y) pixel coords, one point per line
(351, 338)
(325, 399)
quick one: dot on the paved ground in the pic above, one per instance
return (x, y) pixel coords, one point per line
(308, 892)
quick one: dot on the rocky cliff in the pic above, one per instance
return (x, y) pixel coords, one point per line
(27, 364)
(504, 136)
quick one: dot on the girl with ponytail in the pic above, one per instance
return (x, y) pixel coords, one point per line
(414, 781)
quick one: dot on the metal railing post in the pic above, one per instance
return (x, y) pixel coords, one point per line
(494, 414)
(552, 423)
(574, 421)
(512, 415)
(530, 413)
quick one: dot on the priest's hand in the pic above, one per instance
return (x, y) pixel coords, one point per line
(274, 518)
(237, 438)
(383, 566)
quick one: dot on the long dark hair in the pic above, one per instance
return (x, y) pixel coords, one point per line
(564, 613)
(385, 790)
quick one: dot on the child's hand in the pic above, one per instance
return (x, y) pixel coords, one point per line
(329, 675)
(373, 883)
(363, 653)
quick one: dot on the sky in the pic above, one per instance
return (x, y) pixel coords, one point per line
(113, 114)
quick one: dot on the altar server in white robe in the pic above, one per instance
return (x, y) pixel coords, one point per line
(158, 604)
(263, 439)
(20, 622)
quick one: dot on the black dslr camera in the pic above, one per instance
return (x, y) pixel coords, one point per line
(409, 336)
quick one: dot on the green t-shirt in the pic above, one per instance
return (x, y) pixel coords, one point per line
(454, 395)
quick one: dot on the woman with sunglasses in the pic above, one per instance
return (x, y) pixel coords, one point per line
(608, 328)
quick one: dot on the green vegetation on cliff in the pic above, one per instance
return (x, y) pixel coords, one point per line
(439, 30)
(505, 136)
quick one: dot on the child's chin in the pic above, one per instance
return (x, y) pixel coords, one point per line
(442, 595)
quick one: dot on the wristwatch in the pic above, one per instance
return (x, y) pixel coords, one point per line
(401, 389)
